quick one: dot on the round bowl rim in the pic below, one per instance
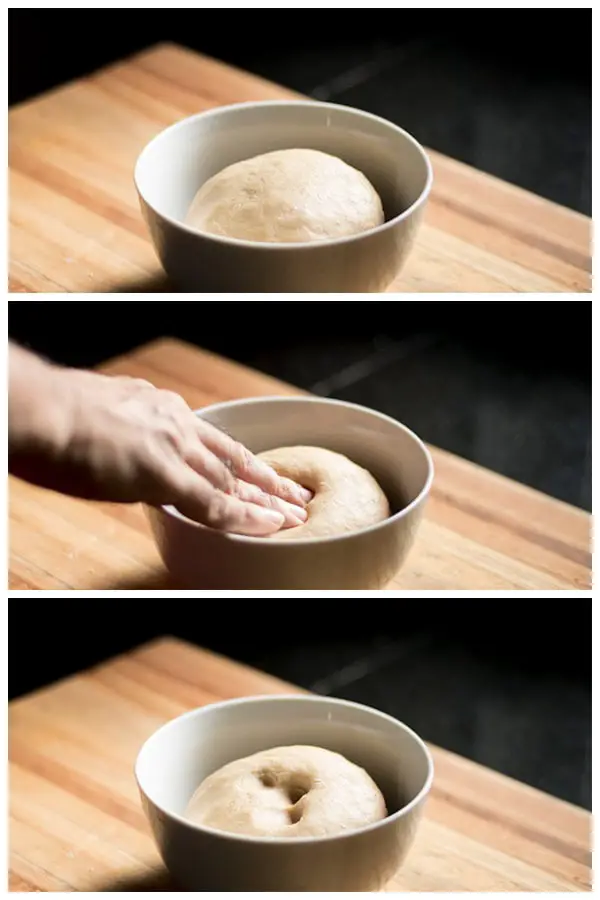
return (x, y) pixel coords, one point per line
(173, 513)
(269, 245)
(299, 698)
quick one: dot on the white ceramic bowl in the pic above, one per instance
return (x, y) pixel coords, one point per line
(182, 753)
(174, 165)
(202, 558)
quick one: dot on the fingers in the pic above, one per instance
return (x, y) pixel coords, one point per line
(202, 461)
(249, 468)
(205, 463)
(195, 498)
(216, 481)
(228, 461)
(250, 493)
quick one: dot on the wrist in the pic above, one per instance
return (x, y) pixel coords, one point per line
(39, 407)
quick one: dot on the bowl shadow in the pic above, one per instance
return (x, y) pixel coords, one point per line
(159, 881)
(158, 283)
(158, 581)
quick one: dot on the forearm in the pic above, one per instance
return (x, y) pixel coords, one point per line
(36, 422)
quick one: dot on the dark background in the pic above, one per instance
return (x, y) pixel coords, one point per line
(504, 383)
(508, 91)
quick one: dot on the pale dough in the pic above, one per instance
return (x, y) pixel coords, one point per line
(346, 497)
(287, 196)
(288, 792)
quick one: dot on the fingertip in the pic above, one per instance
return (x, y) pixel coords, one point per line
(272, 516)
(297, 492)
(300, 513)
(263, 524)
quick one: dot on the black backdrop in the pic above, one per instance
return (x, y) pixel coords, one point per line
(551, 334)
(52, 638)
(47, 47)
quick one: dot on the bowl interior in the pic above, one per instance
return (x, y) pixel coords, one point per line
(395, 457)
(175, 164)
(178, 757)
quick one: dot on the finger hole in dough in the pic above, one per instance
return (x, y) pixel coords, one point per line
(297, 791)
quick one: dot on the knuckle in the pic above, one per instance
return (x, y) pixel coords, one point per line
(217, 510)
(170, 399)
(289, 491)
(217, 472)
(251, 493)
(173, 437)
(169, 423)
(165, 434)
(267, 500)
(168, 428)
(134, 386)
(241, 459)
(230, 485)
(220, 474)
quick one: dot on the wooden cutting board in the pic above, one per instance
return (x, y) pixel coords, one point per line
(76, 823)
(481, 531)
(75, 223)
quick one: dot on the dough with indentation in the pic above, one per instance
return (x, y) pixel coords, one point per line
(346, 497)
(287, 196)
(288, 792)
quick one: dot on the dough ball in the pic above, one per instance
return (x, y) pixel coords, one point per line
(288, 792)
(346, 497)
(287, 196)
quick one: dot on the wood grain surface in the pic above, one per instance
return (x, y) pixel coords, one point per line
(481, 531)
(76, 823)
(75, 223)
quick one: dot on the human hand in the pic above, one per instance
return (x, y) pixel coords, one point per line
(121, 439)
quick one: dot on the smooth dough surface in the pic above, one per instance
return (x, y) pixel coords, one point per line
(346, 497)
(287, 196)
(288, 792)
